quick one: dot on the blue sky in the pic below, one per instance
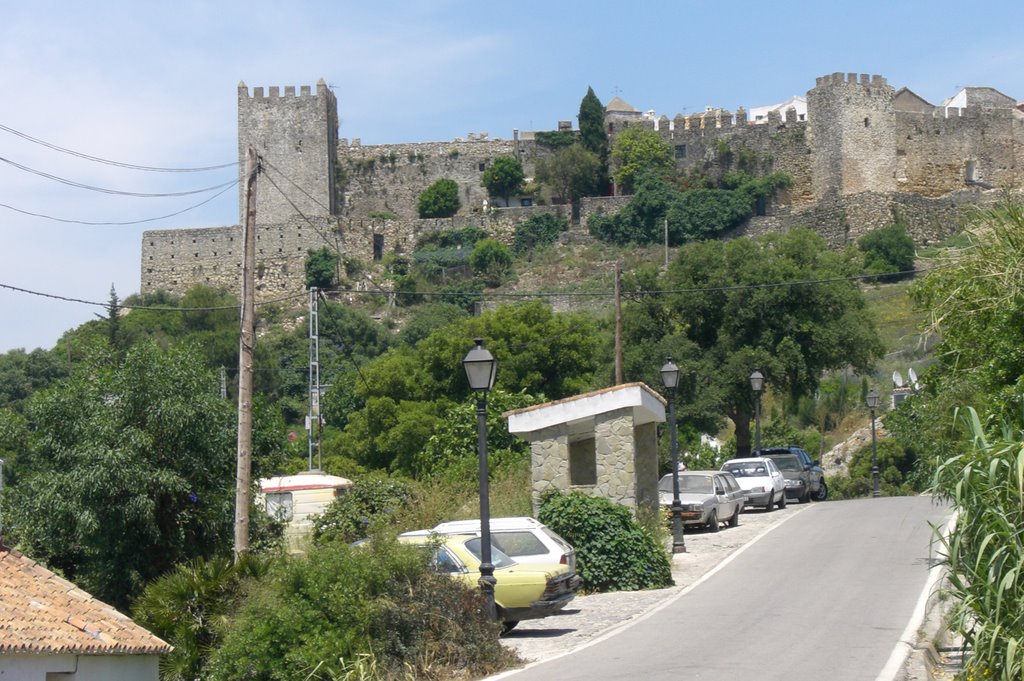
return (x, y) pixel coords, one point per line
(154, 84)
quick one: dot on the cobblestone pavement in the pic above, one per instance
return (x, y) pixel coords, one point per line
(589, 617)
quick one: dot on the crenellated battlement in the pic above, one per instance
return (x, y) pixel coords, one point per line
(839, 78)
(274, 91)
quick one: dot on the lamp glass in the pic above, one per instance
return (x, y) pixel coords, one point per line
(872, 399)
(480, 366)
(670, 375)
(757, 381)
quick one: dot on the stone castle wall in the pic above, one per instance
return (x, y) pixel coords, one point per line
(856, 162)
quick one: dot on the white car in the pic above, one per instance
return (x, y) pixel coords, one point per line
(525, 539)
(706, 497)
(761, 480)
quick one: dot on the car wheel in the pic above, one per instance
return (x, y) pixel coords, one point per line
(782, 501)
(771, 503)
(822, 493)
(508, 626)
(735, 520)
(713, 522)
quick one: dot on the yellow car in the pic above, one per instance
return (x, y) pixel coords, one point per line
(522, 591)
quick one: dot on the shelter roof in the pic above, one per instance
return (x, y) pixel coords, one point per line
(647, 406)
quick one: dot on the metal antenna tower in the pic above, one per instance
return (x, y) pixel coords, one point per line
(313, 419)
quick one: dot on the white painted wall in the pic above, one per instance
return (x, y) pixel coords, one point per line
(80, 667)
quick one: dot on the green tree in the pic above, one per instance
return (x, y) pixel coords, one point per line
(321, 268)
(886, 250)
(571, 172)
(639, 150)
(439, 200)
(735, 311)
(504, 177)
(593, 136)
(129, 469)
(113, 318)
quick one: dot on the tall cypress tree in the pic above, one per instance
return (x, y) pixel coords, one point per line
(592, 134)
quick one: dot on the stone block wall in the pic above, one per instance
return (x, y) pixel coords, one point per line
(390, 177)
(616, 458)
(297, 136)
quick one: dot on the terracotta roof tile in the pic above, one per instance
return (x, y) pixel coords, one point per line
(43, 613)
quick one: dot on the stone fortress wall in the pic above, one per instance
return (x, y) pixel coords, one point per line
(863, 154)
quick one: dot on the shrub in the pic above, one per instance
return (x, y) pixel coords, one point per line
(321, 268)
(614, 552)
(537, 231)
(439, 200)
(372, 500)
(888, 249)
(376, 611)
(491, 259)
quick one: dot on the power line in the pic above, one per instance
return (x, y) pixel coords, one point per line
(294, 184)
(296, 208)
(154, 308)
(119, 164)
(103, 190)
(117, 224)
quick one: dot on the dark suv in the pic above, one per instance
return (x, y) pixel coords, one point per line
(816, 487)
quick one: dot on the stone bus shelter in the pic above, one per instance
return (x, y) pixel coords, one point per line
(603, 443)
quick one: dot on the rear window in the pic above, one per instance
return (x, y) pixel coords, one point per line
(788, 462)
(747, 470)
(498, 557)
(557, 538)
(518, 543)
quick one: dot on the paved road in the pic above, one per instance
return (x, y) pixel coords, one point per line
(826, 593)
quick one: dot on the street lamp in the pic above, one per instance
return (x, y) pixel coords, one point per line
(757, 385)
(480, 369)
(872, 402)
(670, 377)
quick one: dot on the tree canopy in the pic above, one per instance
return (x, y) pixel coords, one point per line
(504, 177)
(728, 308)
(571, 172)
(321, 268)
(129, 469)
(593, 136)
(639, 150)
(888, 249)
(439, 200)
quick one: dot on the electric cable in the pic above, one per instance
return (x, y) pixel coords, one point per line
(155, 308)
(119, 164)
(118, 224)
(103, 190)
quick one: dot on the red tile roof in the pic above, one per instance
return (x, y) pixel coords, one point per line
(43, 613)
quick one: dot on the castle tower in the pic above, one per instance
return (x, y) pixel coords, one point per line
(852, 134)
(297, 135)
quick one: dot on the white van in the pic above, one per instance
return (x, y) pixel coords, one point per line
(296, 498)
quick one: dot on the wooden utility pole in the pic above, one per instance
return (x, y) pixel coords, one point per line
(245, 352)
(618, 325)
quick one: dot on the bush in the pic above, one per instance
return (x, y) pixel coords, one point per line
(614, 552)
(888, 249)
(371, 501)
(491, 259)
(367, 612)
(321, 268)
(537, 231)
(439, 200)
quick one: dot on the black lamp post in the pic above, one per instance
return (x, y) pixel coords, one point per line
(480, 369)
(670, 377)
(872, 402)
(757, 385)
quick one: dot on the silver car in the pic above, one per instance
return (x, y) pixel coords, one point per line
(707, 497)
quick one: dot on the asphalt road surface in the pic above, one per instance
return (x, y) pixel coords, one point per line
(825, 595)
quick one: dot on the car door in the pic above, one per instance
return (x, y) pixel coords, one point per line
(734, 491)
(722, 505)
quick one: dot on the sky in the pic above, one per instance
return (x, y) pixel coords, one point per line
(155, 84)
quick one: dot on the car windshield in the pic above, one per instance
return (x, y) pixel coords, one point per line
(788, 462)
(498, 557)
(747, 469)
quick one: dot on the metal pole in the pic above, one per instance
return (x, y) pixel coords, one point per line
(314, 373)
(875, 492)
(487, 580)
(678, 540)
(757, 422)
